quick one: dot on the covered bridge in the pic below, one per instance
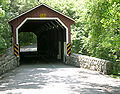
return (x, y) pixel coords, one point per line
(51, 27)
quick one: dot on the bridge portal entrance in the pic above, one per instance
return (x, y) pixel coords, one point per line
(51, 28)
(51, 37)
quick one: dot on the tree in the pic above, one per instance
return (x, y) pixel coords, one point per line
(98, 29)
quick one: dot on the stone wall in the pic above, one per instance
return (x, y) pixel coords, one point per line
(8, 62)
(92, 63)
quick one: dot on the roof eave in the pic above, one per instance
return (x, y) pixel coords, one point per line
(37, 7)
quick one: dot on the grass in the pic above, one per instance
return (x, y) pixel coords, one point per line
(2, 52)
(116, 76)
(25, 44)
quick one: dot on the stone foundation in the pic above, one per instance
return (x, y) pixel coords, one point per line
(92, 63)
(8, 62)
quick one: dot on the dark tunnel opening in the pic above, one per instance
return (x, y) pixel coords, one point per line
(51, 36)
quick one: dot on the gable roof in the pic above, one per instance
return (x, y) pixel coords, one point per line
(38, 7)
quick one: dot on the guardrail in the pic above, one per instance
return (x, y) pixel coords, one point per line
(82, 61)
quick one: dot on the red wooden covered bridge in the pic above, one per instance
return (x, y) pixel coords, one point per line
(51, 27)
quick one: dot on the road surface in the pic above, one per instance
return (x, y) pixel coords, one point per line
(56, 78)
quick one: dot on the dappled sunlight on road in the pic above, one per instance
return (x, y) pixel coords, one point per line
(56, 78)
(28, 49)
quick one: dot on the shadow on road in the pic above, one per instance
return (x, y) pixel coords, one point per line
(56, 77)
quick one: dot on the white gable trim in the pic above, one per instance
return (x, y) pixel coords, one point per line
(65, 48)
(42, 19)
(39, 6)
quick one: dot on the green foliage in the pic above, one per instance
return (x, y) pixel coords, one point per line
(115, 76)
(101, 26)
(4, 27)
(99, 30)
(2, 12)
(24, 40)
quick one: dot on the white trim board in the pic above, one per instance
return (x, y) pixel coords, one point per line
(41, 19)
(40, 6)
(65, 51)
